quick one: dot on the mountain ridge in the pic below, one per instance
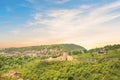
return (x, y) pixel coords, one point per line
(56, 49)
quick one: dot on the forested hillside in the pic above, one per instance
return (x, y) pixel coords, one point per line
(43, 50)
(96, 64)
(65, 47)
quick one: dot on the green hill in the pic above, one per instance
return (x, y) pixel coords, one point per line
(45, 49)
(69, 47)
(88, 66)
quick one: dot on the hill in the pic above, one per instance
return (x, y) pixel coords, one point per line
(107, 48)
(86, 66)
(46, 50)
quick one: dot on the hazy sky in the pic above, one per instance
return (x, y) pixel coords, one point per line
(90, 23)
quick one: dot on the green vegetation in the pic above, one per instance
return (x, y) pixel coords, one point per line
(9, 62)
(65, 47)
(87, 66)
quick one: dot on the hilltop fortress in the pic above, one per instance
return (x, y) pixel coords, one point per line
(63, 57)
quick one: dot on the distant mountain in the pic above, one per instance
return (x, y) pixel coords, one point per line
(46, 50)
(107, 48)
(72, 47)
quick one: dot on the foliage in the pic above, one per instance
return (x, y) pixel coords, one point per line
(65, 47)
(87, 66)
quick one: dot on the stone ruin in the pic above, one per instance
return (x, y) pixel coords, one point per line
(64, 57)
(13, 74)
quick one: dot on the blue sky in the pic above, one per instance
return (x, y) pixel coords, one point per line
(90, 23)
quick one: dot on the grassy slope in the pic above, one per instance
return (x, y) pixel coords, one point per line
(100, 70)
(66, 47)
(84, 69)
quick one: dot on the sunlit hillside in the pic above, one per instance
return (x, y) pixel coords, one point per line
(95, 64)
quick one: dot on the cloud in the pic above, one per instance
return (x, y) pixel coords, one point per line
(87, 24)
(58, 1)
(15, 32)
(8, 9)
(31, 1)
(52, 1)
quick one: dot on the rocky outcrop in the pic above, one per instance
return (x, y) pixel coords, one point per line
(64, 57)
(46, 52)
(13, 74)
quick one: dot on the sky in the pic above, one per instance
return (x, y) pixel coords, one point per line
(89, 23)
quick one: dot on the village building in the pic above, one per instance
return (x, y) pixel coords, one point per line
(101, 51)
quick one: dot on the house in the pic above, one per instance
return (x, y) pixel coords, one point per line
(101, 51)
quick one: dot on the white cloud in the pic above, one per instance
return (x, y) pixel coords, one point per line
(8, 9)
(52, 1)
(58, 1)
(31, 1)
(85, 25)
(16, 32)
